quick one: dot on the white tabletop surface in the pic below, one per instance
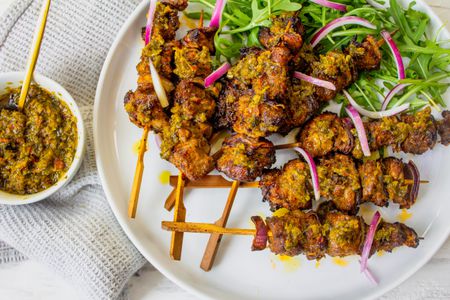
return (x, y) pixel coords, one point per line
(31, 281)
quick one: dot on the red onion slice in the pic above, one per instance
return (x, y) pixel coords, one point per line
(150, 17)
(362, 136)
(217, 14)
(331, 4)
(261, 236)
(392, 93)
(369, 240)
(416, 181)
(375, 4)
(397, 56)
(349, 20)
(214, 76)
(370, 276)
(315, 81)
(157, 85)
(375, 114)
(158, 141)
(312, 167)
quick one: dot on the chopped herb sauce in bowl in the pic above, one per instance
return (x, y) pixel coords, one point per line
(41, 146)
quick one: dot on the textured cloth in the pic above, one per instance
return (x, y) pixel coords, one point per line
(74, 232)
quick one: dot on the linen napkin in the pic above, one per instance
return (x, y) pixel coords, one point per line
(74, 232)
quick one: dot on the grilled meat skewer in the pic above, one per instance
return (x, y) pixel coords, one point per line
(142, 105)
(185, 140)
(332, 233)
(314, 234)
(344, 181)
(411, 133)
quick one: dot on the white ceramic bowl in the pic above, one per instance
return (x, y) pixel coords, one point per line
(14, 79)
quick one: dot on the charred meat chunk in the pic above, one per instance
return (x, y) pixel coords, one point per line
(324, 134)
(372, 182)
(265, 71)
(286, 30)
(345, 234)
(185, 144)
(195, 102)
(366, 55)
(225, 114)
(302, 103)
(256, 116)
(199, 38)
(339, 181)
(192, 62)
(165, 22)
(244, 158)
(444, 128)
(422, 133)
(394, 182)
(337, 68)
(145, 110)
(386, 132)
(295, 233)
(289, 187)
(389, 236)
(177, 4)
(192, 158)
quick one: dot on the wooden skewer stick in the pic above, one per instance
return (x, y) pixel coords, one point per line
(136, 187)
(209, 181)
(200, 22)
(287, 146)
(218, 181)
(204, 228)
(214, 241)
(37, 41)
(176, 243)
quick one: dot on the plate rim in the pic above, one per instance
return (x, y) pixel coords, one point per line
(124, 223)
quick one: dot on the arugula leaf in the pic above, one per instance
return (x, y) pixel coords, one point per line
(261, 13)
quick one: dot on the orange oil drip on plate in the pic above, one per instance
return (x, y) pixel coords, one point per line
(404, 215)
(340, 262)
(164, 177)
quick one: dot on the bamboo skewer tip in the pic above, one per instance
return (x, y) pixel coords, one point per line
(212, 247)
(136, 186)
(34, 53)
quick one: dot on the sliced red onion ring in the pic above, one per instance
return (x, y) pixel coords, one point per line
(370, 276)
(157, 84)
(369, 240)
(315, 81)
(312, 167)
(331, 4)
(416, 181)
(375, 114)
(214, 76)
(362, 136)
(150, 17)
(261, 236)
(392, 93)
(349, 20)
(158, 141)
(217, 14)
(397, 56)
(375, 4)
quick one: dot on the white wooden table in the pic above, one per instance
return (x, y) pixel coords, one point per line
(31, 281)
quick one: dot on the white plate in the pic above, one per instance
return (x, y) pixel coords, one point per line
(238, 272)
